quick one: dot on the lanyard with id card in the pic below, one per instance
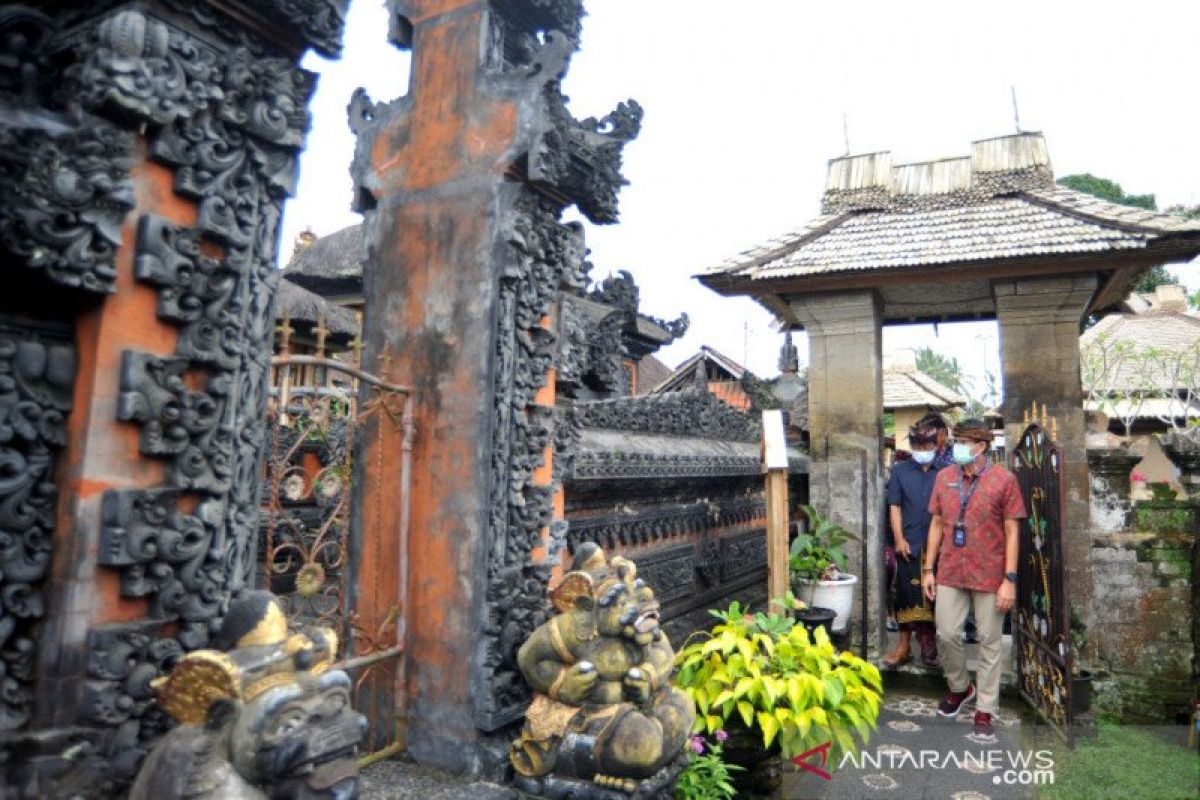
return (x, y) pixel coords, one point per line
(964, 500)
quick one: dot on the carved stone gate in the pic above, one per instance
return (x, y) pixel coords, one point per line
(1041, 633)
(326, 563)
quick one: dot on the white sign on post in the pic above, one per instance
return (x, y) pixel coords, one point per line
(774, 442)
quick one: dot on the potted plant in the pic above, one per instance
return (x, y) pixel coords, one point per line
(1081, 679)
(811, 617)
(776, 690)
(818, 566)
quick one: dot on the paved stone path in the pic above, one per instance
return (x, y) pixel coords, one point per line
(906, 760)
(917, 754)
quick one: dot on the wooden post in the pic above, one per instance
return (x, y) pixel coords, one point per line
(775, 464)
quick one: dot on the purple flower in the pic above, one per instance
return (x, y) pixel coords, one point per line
(722, 736)
(696, 743)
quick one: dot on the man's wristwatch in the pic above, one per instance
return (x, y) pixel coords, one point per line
(1011, 576)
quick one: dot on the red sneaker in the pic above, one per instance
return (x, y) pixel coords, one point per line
(953, 702)
(983, 724)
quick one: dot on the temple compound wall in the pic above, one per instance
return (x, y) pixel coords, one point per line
(146, 150)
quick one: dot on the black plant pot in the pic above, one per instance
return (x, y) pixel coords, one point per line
(762, 773)
(815, 617)
(1081, 692)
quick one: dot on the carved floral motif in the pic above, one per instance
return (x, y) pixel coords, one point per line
(36, 377)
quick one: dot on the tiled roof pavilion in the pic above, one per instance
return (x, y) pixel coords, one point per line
(931, 236)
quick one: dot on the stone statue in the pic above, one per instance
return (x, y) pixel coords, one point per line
(605, 721)
(263, 717)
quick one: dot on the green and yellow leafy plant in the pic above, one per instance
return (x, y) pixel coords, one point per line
(770, 675)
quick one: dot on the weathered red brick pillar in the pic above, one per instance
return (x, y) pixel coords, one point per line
(146, 150)
(462, 183)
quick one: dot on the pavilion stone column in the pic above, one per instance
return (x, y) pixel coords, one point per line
(845, 411)
(1039, 347)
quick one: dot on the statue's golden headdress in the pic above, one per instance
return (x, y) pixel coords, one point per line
(261, 654)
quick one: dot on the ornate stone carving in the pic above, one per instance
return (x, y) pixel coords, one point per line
(671, 572)
(689, 413)
(268, 717)
(582, 158)
(648, 526)
(606, 721)
(175, 559)
(742, 554)
(123, 659)
(607, 464)
(189, 426)
(64, 177)
(37, 375)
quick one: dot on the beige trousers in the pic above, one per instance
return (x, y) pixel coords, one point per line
(950, 613)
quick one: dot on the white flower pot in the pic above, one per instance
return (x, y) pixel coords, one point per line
(836, 595)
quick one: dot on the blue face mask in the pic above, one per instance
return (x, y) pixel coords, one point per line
(923, 457)
(962, 454)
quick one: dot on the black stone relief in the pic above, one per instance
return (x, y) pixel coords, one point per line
(175, 559)
(65, 188)
(609, 464)
(689, 413)
(644, 526)
(190, 427)
(122, 661)
(218, 97)
(743, 553)
(670, 572)
(37, 374)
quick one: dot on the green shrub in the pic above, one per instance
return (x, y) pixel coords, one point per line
(766, 673)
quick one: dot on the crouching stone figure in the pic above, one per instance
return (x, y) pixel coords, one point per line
(264, 717)
(605, 719)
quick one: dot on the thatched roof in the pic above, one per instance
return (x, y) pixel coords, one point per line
(332, 263)
(300, 305)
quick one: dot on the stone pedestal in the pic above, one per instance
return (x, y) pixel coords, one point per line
(1109, 471)
(845, 406)
(1039, 349)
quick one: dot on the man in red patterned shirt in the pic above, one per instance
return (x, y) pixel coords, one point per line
(973, 540)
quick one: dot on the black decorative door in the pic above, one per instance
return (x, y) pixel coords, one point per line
(1041, 634)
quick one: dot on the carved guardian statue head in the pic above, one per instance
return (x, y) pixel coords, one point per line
(267, 717)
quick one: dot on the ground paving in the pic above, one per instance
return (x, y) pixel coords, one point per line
(909, 758)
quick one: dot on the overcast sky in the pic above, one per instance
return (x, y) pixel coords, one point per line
(744, 106)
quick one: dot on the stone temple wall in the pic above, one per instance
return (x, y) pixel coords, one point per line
(674, 481)
(1140, 636)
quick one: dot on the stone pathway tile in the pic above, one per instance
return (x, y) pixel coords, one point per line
(917, 754)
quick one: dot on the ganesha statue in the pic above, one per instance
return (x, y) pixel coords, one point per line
(605, 721)
(265, 716)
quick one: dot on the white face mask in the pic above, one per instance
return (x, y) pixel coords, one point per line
(923, 457)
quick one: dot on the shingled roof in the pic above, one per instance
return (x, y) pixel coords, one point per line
(1000, 204)
(905, 387)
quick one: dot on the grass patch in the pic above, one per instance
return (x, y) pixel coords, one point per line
(1125, 762)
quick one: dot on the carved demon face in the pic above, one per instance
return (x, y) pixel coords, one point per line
(626, 607)
(301, 738)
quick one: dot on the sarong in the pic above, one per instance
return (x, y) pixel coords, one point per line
(908, 600)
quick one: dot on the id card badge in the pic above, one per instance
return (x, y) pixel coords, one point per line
(960, 536)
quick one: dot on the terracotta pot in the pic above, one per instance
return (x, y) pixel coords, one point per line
(761, 773)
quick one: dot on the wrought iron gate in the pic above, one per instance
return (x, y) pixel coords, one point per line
(312, 554)
(1041, 632)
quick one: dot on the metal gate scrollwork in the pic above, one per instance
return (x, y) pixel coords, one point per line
(309, 558)
(1041, 635)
